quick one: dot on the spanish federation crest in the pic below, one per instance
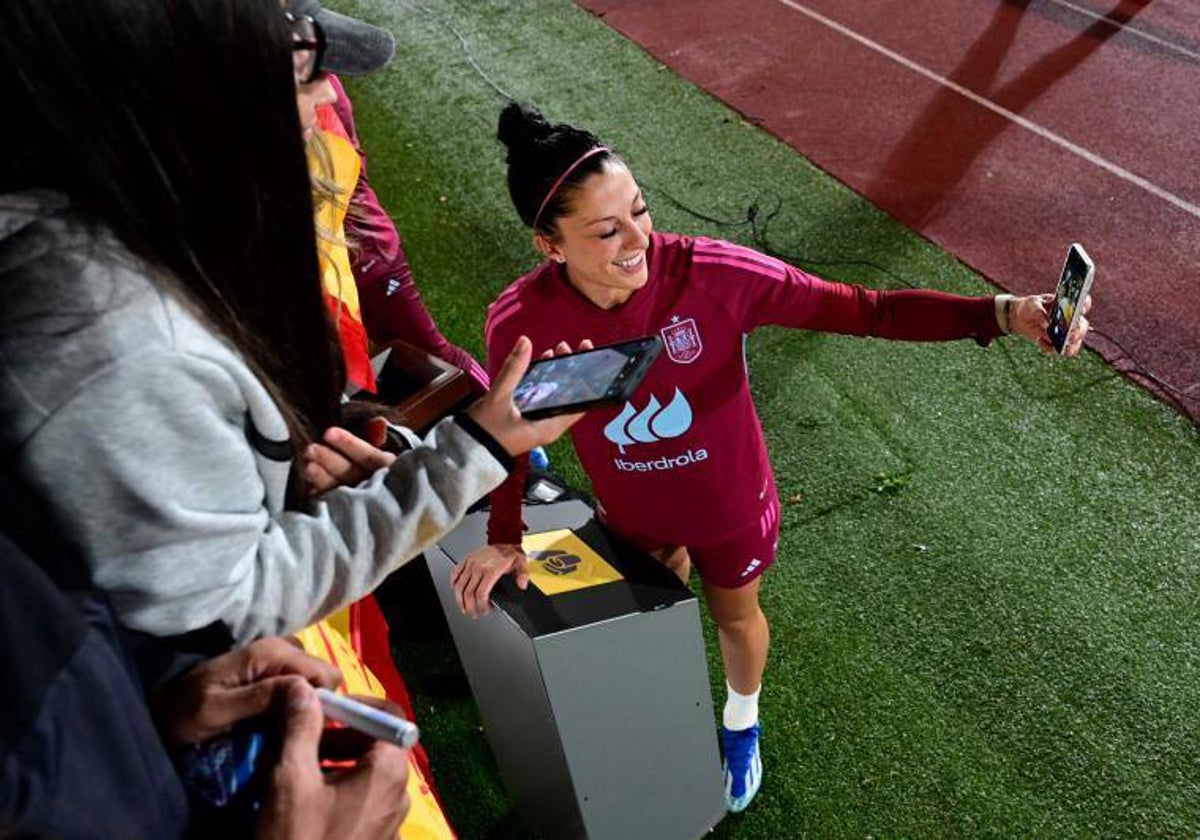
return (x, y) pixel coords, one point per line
(682, 340)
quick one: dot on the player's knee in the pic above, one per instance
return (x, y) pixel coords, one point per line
(744, 624)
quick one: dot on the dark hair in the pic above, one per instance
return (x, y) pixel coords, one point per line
(174, 123)
(538, 155)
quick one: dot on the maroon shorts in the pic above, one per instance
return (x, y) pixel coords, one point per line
(734, 560)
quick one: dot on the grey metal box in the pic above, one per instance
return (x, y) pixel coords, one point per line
(596, 702)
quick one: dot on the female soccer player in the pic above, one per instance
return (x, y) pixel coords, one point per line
(682, 468)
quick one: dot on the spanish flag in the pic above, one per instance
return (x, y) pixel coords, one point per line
(341, 293)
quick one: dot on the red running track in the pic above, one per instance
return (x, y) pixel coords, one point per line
(1000, 129)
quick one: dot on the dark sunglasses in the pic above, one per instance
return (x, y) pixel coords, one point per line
(308, 47)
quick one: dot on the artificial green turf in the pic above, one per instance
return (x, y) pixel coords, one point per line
(986, 605)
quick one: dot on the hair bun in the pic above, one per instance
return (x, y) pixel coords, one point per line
(522, 126)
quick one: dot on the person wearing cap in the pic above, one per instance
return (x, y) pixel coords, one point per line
(383, 303)
(357, 639)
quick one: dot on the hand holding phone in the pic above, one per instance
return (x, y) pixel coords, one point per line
(1070, 296)
(576, 382)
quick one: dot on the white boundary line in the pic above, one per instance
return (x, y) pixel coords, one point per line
(1045, 133)
(1132, 30)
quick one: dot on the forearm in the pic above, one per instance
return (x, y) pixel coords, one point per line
(217, 555)
(905, 315)
(505, 523)
(356, 536)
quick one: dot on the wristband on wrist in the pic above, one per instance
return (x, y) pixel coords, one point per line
(1004, 311)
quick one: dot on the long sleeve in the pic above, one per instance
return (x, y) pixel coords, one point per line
(79, 755)
(391, 304)
(505, 523)
(151, 464)
(761, 290)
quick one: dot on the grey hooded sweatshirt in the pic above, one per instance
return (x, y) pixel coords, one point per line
(166, 459)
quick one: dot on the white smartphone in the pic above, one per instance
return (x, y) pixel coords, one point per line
(1072, 291)
(368, 720)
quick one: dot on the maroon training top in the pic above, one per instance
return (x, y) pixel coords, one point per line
(684, 461)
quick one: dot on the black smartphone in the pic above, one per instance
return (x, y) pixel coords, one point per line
(1073, 287)
(567, 384)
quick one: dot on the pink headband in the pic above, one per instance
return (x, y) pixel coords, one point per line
(589, 153)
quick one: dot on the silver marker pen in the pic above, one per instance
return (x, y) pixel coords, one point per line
(367, 719)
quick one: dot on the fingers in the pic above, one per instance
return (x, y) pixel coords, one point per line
(1077, 336)
(475, 578)
(325, 467)
(466, 585)
(240, 684)
(318, 480)
(302, 726)
(521, 570)
(469, 579)
(479, 597)
(276, 656)
(343, 459)
(360, 453)
(226, 706)
(513, 369)
(476, 592)
(375, 791)
(564, 349)
(458, 580)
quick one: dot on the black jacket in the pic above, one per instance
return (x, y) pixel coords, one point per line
(79, 756)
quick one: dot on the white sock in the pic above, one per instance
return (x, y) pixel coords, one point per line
(741, 710)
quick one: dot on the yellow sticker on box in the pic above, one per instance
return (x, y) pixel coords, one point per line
(559, 561)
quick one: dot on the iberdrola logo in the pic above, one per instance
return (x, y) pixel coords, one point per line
(652, 424)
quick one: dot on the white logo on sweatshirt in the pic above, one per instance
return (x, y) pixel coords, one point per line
(653, 424)
(393, 287)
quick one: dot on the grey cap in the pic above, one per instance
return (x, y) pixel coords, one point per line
(352, 47)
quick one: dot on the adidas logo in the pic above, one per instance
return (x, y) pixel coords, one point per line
(393, 287)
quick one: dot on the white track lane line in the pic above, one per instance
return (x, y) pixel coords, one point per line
(1132, 30)
(1045, 133)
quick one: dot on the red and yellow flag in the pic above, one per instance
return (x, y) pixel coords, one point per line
(341, 293)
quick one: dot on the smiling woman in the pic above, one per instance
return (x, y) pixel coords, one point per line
(603, 240)
(689, 482)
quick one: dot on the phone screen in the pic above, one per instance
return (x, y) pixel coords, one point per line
(1068, 296)
(579, 378)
